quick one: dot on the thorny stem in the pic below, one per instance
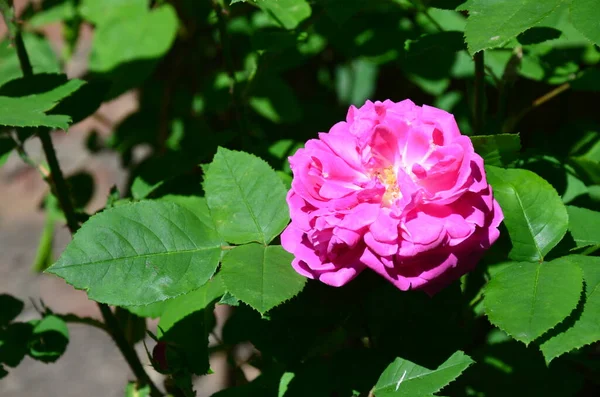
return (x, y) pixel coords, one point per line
(57, 179)
(478, 98)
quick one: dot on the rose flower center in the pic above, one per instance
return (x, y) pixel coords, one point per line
(387, 177)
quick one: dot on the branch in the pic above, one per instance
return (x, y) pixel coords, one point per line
(479, 96)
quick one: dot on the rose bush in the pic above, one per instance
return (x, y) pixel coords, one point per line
(395, 188)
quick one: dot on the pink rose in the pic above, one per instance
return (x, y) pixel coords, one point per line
(395, 188)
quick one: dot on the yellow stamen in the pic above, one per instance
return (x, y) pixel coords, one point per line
(387, 176)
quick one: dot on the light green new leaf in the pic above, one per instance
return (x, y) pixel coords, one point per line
(56, 13)
(527, 299)
(101, 12)
(149, 36)
(404, 378)
(585, 15)
(499, 150)
(288, 13)
(246, 198)
(140, 253)
(134, 390)
(586, 328)
(261, 276)
(584, 226)
(42, 56)
(49, 340)
(30, 110)
(492, 24)
(534, 214)
(355, 82)
(153, 310)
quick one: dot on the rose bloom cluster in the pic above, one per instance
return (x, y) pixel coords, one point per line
(395, 188)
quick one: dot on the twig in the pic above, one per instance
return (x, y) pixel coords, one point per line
(62, 193)
(479, 95)
(511, 123)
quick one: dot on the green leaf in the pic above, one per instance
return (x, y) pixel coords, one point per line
(133, 390)
(499, 150)
(187, 321)
(492, 24)
(49, 339)
(6, 147)
(274, 99)
(261, 276)
(14, 341)
(356, 81)
(140, 253)
(527, 299)
(246, 198)
(179, 308)
(288, 13)
(534, 214)
(149, 36)
(153, 310)
(342, 10)
(101, 12)
(404, 378)
(584, 226)
(42, 56)
(31, 110)
(585, 15)
(57, 12)
(586, 327)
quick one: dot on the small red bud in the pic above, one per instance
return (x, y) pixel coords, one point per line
(159, 356)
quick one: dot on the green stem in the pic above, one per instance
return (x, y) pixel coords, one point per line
(62, 192)
(478, 97)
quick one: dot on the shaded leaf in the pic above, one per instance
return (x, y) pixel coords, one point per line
(10, 307)
(527, 299)
(499, 150)
(261, 276)
(538, 35)
(534, 214)
(186, 322)
(140, 253)
(275, 100)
